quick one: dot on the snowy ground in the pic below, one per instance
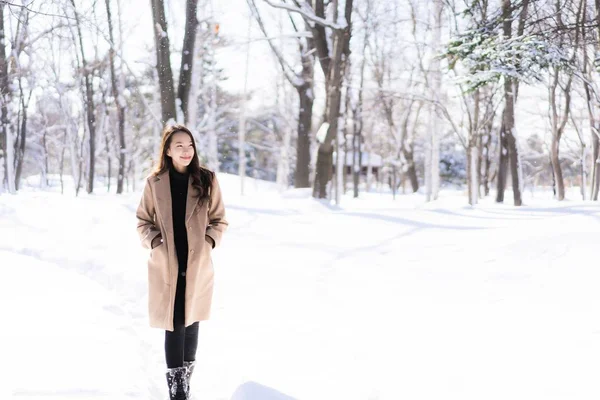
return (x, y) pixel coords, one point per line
(378, 299)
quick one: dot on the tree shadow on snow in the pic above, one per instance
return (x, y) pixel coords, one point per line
(267, 211)
(256, 391)
(547, 212)
(409, 222)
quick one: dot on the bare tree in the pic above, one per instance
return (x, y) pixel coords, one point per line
(591, 98)
(509, 153)
(432, 149)
(163, 62)
(18, 45)
(304, 85)
(357, 109)
(88, 101)
(6, 140)
(333, 50)
(119, 100)
(187, 57)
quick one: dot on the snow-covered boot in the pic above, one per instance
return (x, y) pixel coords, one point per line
(189, 365)
(178, 383)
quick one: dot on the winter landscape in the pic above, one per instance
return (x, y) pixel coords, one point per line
(378, 299)
(411, 188)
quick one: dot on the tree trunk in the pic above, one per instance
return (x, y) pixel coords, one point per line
(592, 110)
(80, 163)
(323, 172)
(187, 57)
(344, 134)
(502, 161)
(515, 167)
(511, 140)
(163, 62)
(433, 149)
(5, 93)
(104, 119)
(507, 141)
(358, 124)
(557, 171)
(558, 126)
(595, 163)
(407, 150)
(558, 181)
(334, 68)
(473, 152)
(508, 123)
(486, 140)
(62, 161)
(325, 153)
(23, 138)
(44, 178)
(411, 169)
(356, 158)
(594, 123)
(472, 182)
(302, 173)
(479, 165)
(89, 105)
(119, 100)
(582, 171)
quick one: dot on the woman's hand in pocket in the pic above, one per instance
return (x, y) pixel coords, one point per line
(157, 241)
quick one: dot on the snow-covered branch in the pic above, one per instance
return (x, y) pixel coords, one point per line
(285, 67)
(309, 14)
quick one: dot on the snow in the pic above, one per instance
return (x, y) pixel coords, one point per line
(374, 299)
(121, 101)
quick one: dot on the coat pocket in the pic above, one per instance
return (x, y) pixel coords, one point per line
(158, 264)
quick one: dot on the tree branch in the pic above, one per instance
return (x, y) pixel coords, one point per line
(35, 12)
(285, 67)
(307, 15)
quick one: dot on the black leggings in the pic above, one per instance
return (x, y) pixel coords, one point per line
(181, 344)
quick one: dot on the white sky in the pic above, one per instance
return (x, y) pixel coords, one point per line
(233, 17)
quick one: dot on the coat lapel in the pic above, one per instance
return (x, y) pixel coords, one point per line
(163, 200)
(192, 200)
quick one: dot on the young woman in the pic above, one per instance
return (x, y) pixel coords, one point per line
(181, 218)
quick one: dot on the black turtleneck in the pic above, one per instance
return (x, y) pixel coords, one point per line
(179, 189)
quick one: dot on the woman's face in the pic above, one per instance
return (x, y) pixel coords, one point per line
(181, 151)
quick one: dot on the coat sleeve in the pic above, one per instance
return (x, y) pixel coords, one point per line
(217, 224)
(145, 218)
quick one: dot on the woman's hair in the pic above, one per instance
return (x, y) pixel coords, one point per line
(202, 178)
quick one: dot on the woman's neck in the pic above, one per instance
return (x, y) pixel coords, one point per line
(181, 170)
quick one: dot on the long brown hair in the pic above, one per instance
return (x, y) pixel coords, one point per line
(202, 178)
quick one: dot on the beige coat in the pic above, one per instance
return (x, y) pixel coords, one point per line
(155, 217)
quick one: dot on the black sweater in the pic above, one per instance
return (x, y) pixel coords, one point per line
(179, 189)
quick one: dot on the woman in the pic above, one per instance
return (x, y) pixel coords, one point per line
(181, 218)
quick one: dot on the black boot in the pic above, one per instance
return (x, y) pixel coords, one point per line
(190, 370)
(178, 383)
(189, 365)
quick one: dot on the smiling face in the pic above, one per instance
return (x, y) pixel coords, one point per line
(181, 151)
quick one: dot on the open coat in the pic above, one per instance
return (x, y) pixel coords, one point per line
(202, 219)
